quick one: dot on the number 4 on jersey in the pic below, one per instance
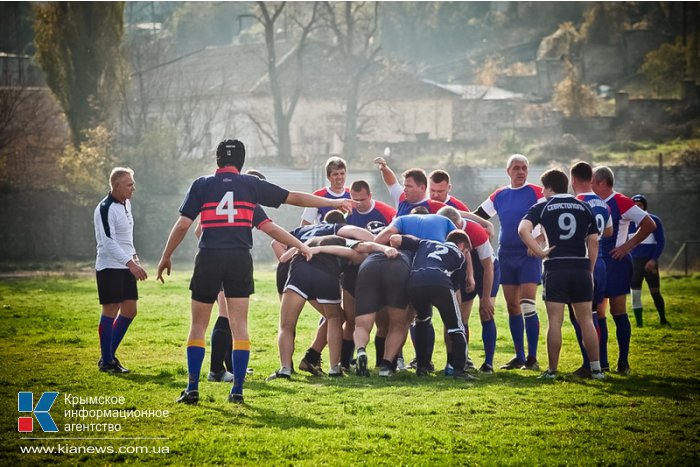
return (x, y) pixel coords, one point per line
(225, 207)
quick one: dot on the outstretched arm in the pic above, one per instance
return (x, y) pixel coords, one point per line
(306, 200)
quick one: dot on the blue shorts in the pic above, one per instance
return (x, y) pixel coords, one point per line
(479, 280)
(599, 281)
(518, 268)
(619, 275)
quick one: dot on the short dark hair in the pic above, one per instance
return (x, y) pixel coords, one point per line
(640, 199)
(359, 185)
(334, 217)
(335, 163)
(255, 173)
(555, 179)
(420, 210)
(230, 152)
(418, 176)
(439, 176)
(582, 171)
(459, 236)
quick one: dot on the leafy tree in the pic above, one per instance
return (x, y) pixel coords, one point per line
(665, 67)
(604, 23)
(78, 47)
(487, 73)
(574, 98)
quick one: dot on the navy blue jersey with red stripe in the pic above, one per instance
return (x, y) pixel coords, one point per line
(306, 232)
(511, 204)
(227, 203)
(567, 222)
(405, 207)
(434, 263)
(380, 212)
(623, 211)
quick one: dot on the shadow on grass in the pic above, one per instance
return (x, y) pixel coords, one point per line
(667, 387)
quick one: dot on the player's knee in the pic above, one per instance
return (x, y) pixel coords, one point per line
(527, 307)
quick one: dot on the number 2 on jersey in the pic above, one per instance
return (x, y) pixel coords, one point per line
(225, 207)
(439, 250)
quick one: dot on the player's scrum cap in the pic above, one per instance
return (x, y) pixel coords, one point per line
(640, 199)
(230, 148)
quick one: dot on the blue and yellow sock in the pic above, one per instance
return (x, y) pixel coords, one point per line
(517, 329)
(240, 357)
(104, 330)
(121, 325)
(195, 357)
(624, 336)
(488, 335)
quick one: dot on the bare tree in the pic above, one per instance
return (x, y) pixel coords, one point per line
(355, 28)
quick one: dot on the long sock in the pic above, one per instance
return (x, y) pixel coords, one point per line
(424, 350)
(488, 335)
(624, 336)
(579, 337)
(105, 331)
(379, 348)
(660, 305)
(220, 344)
(603, 342)
(312, 356)
(449, 359)
(195, 357)
(532, 330)
(241, 355)
(638, 316)
(430, 344)
(459, 350)
(119, 328)
(517, 327)
(346, 352)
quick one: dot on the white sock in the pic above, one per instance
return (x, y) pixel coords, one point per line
(595, 366)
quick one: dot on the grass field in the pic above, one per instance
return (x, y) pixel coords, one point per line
(48, 342)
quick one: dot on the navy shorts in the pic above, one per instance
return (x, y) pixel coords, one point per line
(349, 278)
(115, 286)
(381, 283)
(232, 269)
(639, 274)
(619, 276)
(281, 276)
(479, 279)
(567, 285)
(312, 282)
(518, 268)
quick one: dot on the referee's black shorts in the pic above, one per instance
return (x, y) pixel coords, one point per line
(115, 286)
(232, 269)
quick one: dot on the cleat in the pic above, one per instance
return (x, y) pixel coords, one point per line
(605, 368)
(665, 323)
(401, 365)
(336, 372)
(222, 376)
(422, 371)
(114, 367)
(449, 370)
(486, 368)
(583, 373)
(548, 374)
(515, 363)
(463, 375)
(623, 368)
(385, 369)
(469, 366)
(279, 374)
(188, 397)
(531, 364)
(597, 375)
(235, 398)
(311, 367)
(362, 365)
(414, 364)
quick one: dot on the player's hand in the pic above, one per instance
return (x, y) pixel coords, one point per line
(136, 269)
(471, 285)
(486, 308)
(545, 252)
(381, 162)
(306, 252)
(289, 254)
(490, 229)
(346, 205)
(391, 252)
(651, 265)
(619, 252)
(163, 265)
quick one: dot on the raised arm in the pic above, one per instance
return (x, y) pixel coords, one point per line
(387, 174)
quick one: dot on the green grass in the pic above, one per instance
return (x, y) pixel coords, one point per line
(48, 341)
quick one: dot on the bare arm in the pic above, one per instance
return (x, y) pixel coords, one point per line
(372, 247)
(608, 232)
(177, 234)
(306, 200)
(645, 227)
(592, 244)
(342, 251)
(278, 248)
(486, 224)
(525, 231)
(355, 232)
(387, 174)
(279, 234)
(486, 307)
(383, 236)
